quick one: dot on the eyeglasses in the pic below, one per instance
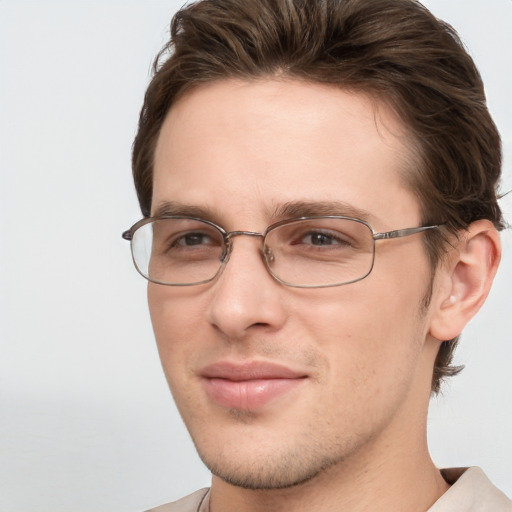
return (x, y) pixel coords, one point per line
(307, 252)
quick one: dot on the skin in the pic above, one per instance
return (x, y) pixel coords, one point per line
(351, 435)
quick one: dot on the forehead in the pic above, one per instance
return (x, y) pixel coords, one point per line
(254, 146)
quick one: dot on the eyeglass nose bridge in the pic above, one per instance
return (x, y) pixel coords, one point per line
(228, 246)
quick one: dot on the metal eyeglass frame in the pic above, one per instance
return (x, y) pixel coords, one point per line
(228, 235)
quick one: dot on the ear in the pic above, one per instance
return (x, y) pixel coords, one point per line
(464, 279)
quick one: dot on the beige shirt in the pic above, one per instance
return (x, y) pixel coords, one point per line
(471, 491)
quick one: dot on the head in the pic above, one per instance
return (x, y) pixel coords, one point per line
(260, 111)
(396, 52)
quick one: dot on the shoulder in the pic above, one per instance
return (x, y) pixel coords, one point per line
(471, 491)
(191, 503)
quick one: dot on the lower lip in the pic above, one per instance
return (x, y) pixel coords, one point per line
(248, 394)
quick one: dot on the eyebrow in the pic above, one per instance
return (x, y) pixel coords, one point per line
(295, 209)
(289, 210)
(171, 208)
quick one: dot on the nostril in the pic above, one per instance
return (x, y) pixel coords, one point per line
(259, 324)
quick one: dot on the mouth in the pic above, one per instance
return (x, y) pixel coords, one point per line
(248, 385)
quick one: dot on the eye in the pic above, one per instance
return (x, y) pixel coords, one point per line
(322, 238)
(185, 240)
(192, 246)
(193, 239)
(319, 238)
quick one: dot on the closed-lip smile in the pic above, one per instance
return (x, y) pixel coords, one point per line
(248, 385)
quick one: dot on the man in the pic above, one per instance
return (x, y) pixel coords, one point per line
(318, 182)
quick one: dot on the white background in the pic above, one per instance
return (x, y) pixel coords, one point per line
(86, 421)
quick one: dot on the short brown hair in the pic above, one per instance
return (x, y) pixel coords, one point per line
(395, 50)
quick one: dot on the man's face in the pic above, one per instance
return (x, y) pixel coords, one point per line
(274, 383)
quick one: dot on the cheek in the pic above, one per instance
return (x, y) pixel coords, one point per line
(175, 319)
(177, 328)
(372, 331)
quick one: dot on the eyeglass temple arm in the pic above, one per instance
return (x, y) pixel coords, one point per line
(398, 233)
(127, 235)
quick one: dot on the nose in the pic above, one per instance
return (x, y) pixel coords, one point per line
(245, 297)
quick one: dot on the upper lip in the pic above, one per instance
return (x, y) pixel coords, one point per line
(249, 370)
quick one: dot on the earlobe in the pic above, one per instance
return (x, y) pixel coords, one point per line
(465, 279)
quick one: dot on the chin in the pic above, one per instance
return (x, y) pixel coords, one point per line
(260, 471)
